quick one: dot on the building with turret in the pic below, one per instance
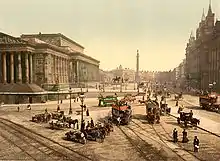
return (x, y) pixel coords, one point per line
(203, 53)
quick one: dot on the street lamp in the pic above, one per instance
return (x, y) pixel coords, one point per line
(70, 110)
(81, 97)
(58, 96)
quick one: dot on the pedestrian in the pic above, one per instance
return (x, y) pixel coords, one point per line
(88, 125)
(185, 139)
(84, 107)
(77, 99)
(191, 113)
(58, 107)
(196, 144)
(87, 112)
(18, 108)
(46, 110)
(177, 103)
(61, 101)
(92, 123)
(175, 135)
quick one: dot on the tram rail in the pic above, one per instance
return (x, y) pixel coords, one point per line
(53, 150)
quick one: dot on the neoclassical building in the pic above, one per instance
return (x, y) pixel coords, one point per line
(42, 62)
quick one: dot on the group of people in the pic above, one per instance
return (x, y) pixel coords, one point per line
(185, 139)
(28, 107)
(89, 125)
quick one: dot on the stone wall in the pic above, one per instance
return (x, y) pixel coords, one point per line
(39, 69)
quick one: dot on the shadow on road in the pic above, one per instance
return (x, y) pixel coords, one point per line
(139, 116)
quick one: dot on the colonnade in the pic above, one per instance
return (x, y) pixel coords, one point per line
(61, 69)
(16, 67)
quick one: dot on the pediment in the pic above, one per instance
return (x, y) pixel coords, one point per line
(7, 39)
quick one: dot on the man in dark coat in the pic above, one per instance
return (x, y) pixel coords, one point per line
(177, 103)
(175, 135)
(196, 144)
(92, 123)
(185, 139)
(87, 112)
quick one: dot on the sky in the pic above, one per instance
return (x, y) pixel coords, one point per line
(112, 30)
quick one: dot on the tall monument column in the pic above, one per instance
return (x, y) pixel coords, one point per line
(137, 79)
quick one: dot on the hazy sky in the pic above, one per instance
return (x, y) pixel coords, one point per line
(112, 30)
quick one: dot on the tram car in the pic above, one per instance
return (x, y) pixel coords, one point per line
(123, 111)
(153, 112)
(107, 101)
(210, 102)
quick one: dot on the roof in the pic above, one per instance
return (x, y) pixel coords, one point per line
(121, 108)
(19, 87)
(85, 56)
(53, 35)
(8, 39)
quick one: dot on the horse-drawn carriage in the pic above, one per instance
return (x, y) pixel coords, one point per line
(107, 101)
(187, 118)
(129, 98)
(178, 96)
(153, 112)
(164, 109)
(121, 111)
(45, 117)
(56, 124)
(168, 95)
(76, 136)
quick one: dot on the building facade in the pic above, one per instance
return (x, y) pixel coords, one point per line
(202, 53)
(39, 62)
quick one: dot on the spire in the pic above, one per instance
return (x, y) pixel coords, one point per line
(210, 9)
(203, 15)
(191, 34)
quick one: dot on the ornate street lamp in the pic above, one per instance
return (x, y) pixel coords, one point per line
(70, 110)
(81, 97)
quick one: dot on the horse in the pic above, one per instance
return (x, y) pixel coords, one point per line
(195, 121)
(71, 121)
(141, 101)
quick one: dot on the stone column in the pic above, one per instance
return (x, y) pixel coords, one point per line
(11, 67)
(66, 71)
(56, 69)
(4, 68)
(26, 69)
(19, 69)
(31, 68)
(61, 69)
(77, 71)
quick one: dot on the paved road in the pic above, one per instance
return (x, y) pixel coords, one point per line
(208, 120)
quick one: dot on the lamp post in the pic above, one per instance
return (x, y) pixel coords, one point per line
(70, 110)
(58, 96)
(82, 97)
